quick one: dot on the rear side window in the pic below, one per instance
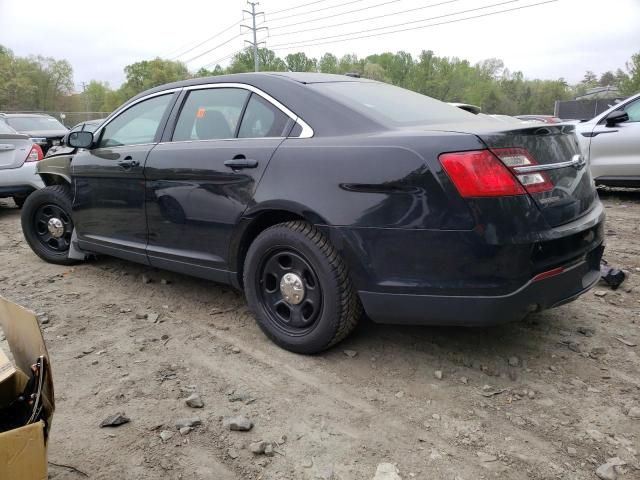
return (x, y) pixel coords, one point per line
(210, 114)
(392, 105)
(262, 119)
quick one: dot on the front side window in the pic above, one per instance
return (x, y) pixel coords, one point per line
(136, 125)
(262, 119)
(210, 114)
(633, 110)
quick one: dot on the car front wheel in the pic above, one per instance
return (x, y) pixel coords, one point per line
(298, 287)
(47, 224)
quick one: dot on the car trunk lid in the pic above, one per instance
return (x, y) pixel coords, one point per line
(554, 172)
(546, 160)
(14, 149)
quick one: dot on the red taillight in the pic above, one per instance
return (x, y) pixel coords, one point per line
(532, 181)
(35, 154)
(479, 173)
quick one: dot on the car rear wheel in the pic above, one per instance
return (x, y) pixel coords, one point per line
(298, 286)
(47, 224)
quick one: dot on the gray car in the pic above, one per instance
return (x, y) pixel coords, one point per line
(45, 130)
(612, 142)
(18, 160)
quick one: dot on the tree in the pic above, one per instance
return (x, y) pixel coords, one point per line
(299, 62)
(631, 84)
(269, 62)
(95, 94)
(328, 63)
(607, 78)
(590, 79)
(151, 73)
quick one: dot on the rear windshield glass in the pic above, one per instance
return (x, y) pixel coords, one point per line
(24, 124)
(4, 128)
(392, 105)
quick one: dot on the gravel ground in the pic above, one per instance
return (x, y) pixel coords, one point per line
(554, 396)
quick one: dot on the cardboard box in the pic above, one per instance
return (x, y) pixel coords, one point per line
(23, 451)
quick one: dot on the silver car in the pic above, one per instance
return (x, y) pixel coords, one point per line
(18, 159)
(612, 142)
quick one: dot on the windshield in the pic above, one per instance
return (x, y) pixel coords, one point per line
(392, 105)
(24, 124)
(4, 128)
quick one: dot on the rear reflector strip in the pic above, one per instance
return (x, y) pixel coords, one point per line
(548, 274)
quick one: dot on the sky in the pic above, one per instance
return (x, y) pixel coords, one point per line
(561, 38)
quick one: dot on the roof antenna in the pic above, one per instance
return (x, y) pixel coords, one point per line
(353, 74)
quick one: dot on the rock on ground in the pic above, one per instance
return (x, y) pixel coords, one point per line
(239, 423)
(387, 471)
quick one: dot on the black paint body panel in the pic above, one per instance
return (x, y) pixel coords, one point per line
(416, 250)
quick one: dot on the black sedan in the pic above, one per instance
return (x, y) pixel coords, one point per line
(323, 196)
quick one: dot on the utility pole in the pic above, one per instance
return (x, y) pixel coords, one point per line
(86, 98)
(254, 29)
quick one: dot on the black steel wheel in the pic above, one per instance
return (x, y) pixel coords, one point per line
(298, 287)
(47, 223)
(53, 227)
(289, 290)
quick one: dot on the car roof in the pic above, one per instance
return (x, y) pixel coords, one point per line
(11, 115)
(257, 78)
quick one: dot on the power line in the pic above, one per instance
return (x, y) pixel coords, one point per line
(304, 43)
(205, 41)
(317, 10)
(222, 59)
(298, 6)
(359, 20)
(338, 15)
(212, 49)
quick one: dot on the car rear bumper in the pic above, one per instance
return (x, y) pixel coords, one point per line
(20, 181)
(481, 310)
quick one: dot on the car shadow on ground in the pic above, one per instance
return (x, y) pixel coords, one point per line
(462, 345)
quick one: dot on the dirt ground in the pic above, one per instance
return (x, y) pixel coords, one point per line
(530, 400)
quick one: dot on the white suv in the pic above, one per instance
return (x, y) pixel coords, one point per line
(612, 142)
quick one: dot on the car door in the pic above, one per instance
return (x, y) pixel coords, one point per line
(615, 151)
(109, 207)
(201, 178)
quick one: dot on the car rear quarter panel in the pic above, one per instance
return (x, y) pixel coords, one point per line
(397, 219)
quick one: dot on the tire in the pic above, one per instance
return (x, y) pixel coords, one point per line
(19, 201)
(50, 203)
(328, 307)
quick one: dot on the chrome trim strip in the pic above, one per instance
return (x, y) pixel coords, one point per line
(111, 117)
(170, 142)
(576, 161)
(307, 131)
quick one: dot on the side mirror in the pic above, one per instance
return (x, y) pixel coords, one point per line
(615, 117)
(80, 139)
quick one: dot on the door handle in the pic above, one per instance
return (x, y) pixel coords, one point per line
(128, 163)
(240, 163)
